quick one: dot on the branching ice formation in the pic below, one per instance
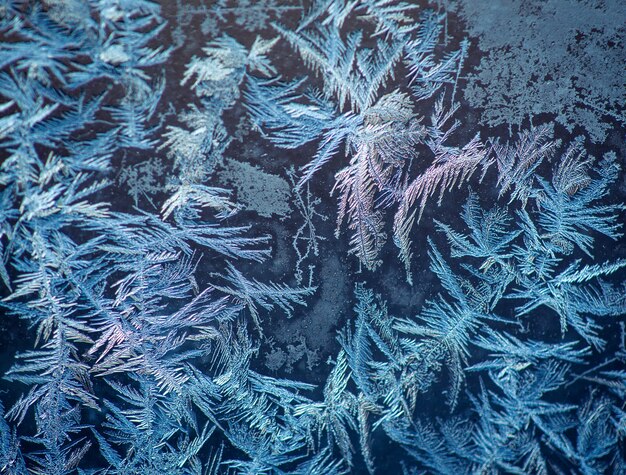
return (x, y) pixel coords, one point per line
(144, 329)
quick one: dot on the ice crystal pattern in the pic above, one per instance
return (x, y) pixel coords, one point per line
(145, 322)
(380, 133)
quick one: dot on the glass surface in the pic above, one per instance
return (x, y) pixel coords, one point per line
(312, 237)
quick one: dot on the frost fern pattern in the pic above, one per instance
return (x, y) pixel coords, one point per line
(140, 296)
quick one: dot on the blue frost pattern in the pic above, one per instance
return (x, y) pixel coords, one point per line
(144, 324)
